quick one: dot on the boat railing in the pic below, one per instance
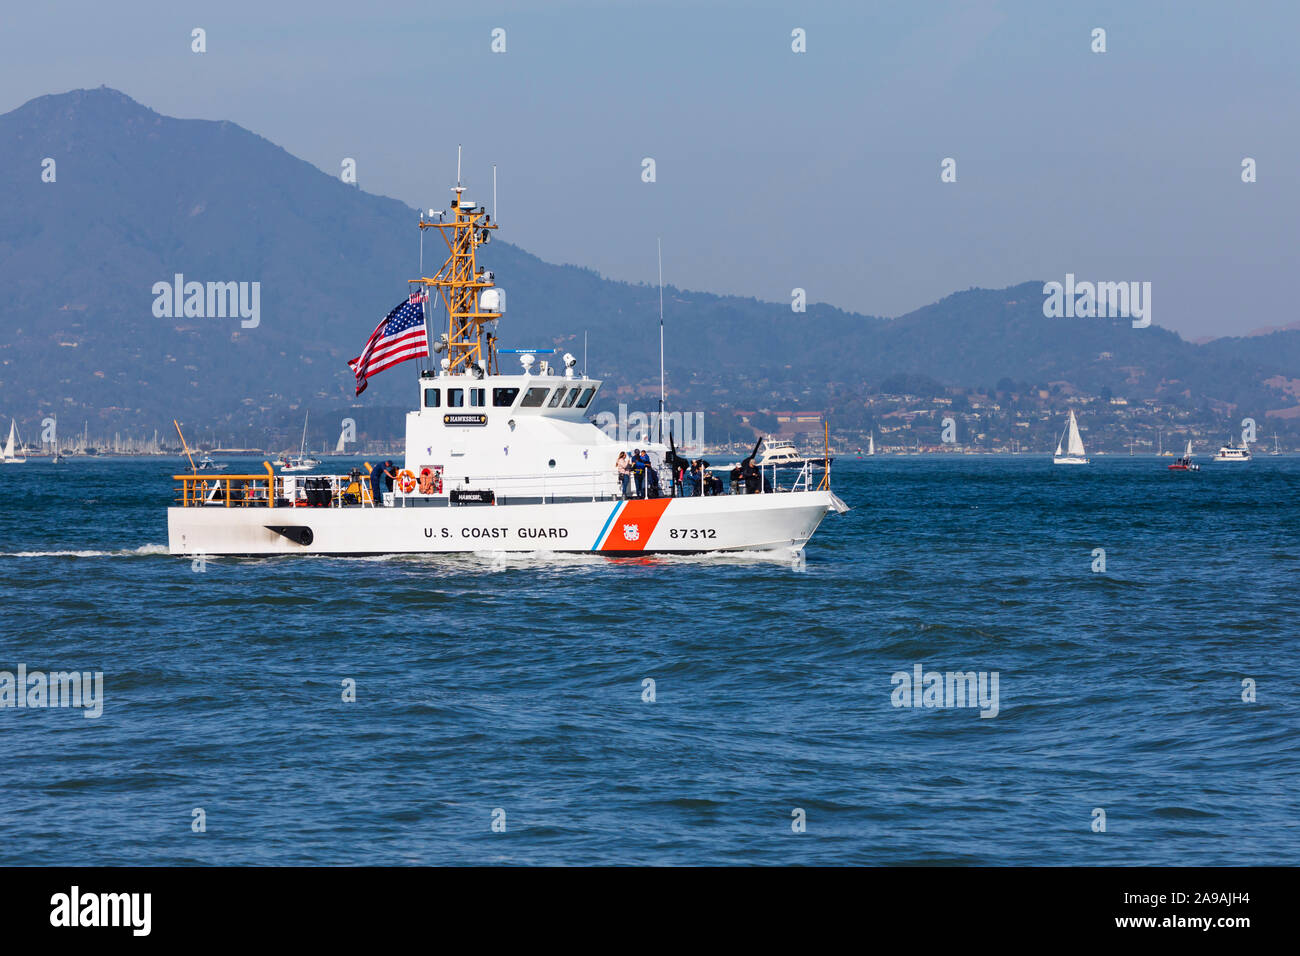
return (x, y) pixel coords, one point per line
(269, 490)
(549, 487)
(202, 489)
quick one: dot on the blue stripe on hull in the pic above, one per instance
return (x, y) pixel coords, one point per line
(608, 521)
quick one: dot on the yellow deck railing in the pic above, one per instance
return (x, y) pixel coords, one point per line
(233, 491)
(210, 489)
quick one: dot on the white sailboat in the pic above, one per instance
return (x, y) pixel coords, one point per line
(11, 454)
(338, 447)
(1074, 454)
(300, 461)
(871, 444)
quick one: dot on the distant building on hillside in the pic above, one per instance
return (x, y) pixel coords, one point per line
(793, 423)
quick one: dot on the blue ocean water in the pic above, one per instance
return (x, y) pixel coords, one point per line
(520, 689)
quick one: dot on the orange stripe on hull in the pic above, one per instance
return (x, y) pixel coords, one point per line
(635, 524)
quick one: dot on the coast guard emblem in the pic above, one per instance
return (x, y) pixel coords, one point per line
(631, 532)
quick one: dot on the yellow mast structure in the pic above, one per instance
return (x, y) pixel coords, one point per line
(460, 282)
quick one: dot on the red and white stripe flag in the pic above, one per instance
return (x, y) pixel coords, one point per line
(399, 337)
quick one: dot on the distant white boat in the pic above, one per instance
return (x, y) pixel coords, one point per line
(779, 452)
(207, 464)
(1231, 452)
(338, 447)
(301, 461)
(1275, 450)
(297, 463)
(10, 456)
(871, 444)
(1073, 454)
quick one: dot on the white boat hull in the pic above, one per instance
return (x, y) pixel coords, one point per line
(1067, 460)
(765, 522)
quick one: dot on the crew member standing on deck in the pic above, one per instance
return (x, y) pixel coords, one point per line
(380, 476)
(691, 480)
(709, 482)
(640, 461)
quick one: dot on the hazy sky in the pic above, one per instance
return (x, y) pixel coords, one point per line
(774, 169)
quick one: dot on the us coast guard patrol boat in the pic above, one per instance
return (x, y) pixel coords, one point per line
(495, 461)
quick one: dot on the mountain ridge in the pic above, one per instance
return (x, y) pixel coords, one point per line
(139, 197)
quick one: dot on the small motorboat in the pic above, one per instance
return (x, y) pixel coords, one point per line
(296, 463)
(1185, 463)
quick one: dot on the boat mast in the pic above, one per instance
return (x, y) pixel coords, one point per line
(459, 281)
(428, 332)
(661, 340)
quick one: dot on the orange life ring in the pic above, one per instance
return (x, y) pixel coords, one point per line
(406, 481)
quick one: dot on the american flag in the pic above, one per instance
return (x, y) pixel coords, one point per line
(398, 338)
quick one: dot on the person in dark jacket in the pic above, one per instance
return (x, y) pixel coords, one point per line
(381, 476)
(752, 476)
(711, 483)
(640, 461)
(677, 467)
(691, 480)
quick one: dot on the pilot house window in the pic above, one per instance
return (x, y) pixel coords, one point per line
(586, 397)
(476, 398)
(555, 399)
(534, 397)
(431, 397)
(572, 397)
(455, 398)
(504, 397)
